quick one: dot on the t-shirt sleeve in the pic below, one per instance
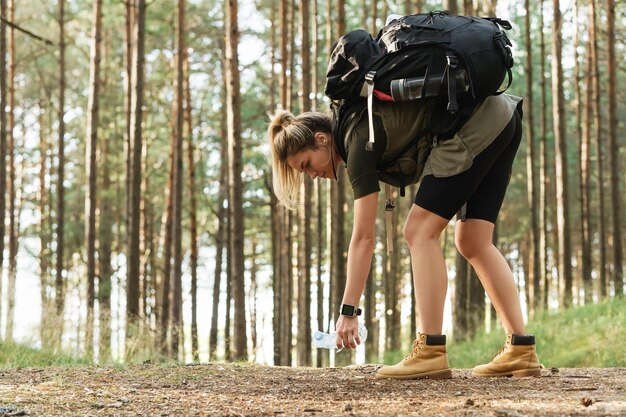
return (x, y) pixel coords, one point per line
(361, 163)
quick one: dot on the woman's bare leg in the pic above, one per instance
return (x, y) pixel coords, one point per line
(422, 231)
(474, 241)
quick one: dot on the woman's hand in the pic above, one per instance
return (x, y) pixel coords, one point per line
(347, 332)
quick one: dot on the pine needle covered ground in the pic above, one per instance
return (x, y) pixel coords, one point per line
(255, 390)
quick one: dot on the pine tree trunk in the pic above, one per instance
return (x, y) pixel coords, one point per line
(129, 19)
(543, 160)
(339, 201)
(145, 220)
(3, 133)
(468, 8)
(489, 8)
(233, 115)
(578, 139)
(451, 6)
(328, 199)
(597, 117)
(92, 140)
(374, 15)
(253, 293)
(476, 303)
(371, 323)
(532, 180)
(60, 231)
(292, 88)
(585, 183)
(613, 150)
(176, 312)
(562, 188)
(320, 245)
(105, 237)
(165, 285)
(228, 351)
(44, 232)
(396, 275)
(13, 230)
(460, 311)
(222, 219)
(304, 270)
(132, 283)
(193, 208)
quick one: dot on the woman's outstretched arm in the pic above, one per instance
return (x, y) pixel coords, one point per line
(359, 260)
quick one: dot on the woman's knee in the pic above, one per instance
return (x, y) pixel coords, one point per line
(422, 226)
(469, 245)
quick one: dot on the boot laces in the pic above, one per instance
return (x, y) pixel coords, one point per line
(417, 346)
(501, 351)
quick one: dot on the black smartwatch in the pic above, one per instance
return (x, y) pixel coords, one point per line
(350, 311)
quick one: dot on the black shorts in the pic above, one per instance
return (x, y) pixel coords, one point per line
(478, 192)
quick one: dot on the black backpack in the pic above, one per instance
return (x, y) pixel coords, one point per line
(459, 60)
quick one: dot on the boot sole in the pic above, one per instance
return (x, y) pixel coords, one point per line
(443, 374)
(522, 373)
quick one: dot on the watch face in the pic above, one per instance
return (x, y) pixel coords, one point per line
(347, 310)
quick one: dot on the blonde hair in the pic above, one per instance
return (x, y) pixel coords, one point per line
(288, 135)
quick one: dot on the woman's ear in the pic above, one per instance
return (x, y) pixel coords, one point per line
(321, 138)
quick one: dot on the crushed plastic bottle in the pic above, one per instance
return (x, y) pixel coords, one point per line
(323, 340)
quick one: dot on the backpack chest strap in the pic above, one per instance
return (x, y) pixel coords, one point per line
(369, 80)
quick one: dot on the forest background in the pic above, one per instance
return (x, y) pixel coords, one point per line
(135, 188)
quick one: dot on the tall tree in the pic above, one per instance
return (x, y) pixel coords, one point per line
(3, 134)
(532, 180)
(129, 18)
(562, 188)
(92, 140)
(304, 272)
(193, 221)
(451, 6)
(137, 77)
(543, 160)
(60, 230)
(338, 235)
(164, 290)
(468, 7)
(178, 185)
(599, 134)
(235, 183)
(44, 232)
(282, 295)
(374, 15)
(13, 230)
(585, 181)
(613, 151)
(222, 225)
(105, 239)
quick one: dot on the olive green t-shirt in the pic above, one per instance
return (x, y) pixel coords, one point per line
(447, 158)
(361, 163)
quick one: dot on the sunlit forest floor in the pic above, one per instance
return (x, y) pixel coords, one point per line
(254, 390)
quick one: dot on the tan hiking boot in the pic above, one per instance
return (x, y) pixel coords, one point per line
(428, 359)
(516, 358)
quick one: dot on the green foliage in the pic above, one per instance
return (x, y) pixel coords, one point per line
(19, 356)
(589, 336)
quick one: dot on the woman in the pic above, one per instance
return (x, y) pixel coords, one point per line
(466, 175)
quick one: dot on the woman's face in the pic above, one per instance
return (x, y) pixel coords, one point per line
(316, 162)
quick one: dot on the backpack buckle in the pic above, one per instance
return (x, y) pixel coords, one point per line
(453, 61)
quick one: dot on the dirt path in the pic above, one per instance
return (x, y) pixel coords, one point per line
(234, 390)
